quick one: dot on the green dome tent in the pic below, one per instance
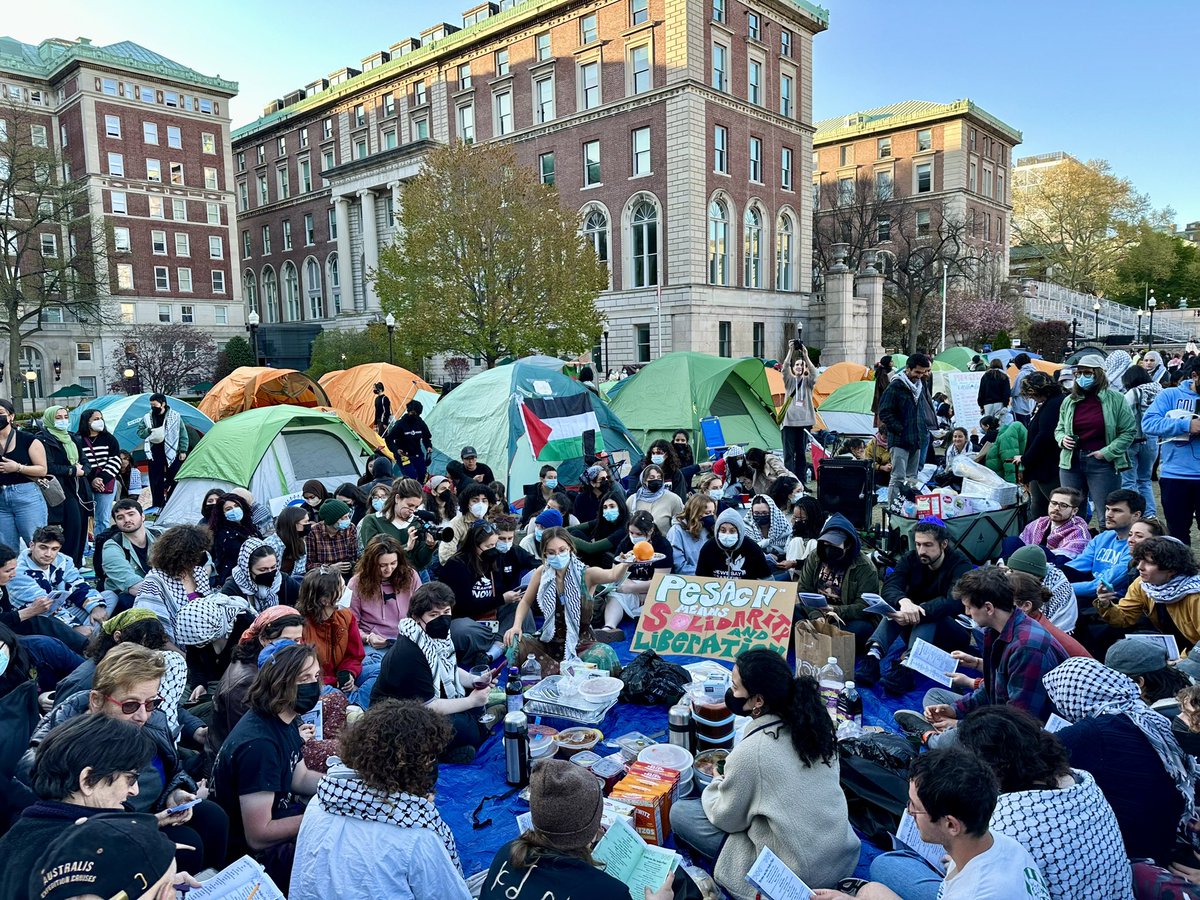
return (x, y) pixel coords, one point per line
(680, 389)
(848, 409)
(495, 410)
(959, 357)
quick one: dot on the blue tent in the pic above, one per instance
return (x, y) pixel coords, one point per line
(123, 413)
(1007, 356)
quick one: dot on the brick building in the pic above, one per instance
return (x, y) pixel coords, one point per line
(680, 129)
(148, 139)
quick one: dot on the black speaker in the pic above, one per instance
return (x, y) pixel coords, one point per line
(846, 486)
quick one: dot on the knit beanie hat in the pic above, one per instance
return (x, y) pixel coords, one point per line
(549, 518)
(565, 803)
(331, 511)
(1030, 560)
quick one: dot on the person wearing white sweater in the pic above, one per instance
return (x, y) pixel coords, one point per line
(780, 787)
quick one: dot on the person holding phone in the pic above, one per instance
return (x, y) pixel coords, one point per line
(798, 413)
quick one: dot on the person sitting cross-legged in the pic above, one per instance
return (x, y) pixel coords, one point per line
(1061, 608)
(1062, 533)
(840, 571)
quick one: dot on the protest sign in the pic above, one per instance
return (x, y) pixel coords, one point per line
(687, 615)
(964, 397)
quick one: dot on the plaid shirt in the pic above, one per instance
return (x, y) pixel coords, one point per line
(325, 549)
(1014, 661)
(1070, 539)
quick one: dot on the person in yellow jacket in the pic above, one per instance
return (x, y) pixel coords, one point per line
(1166, 591)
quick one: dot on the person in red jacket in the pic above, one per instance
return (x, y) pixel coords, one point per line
(333, 631)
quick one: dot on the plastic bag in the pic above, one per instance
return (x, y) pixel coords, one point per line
(651, 680)
(965, 467)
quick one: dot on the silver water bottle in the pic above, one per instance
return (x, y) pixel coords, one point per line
(680, 725)
(516, 749)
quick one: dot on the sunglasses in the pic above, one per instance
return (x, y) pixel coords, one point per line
(485, 527)
(129, 707)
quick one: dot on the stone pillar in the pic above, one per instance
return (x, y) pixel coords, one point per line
(370, 237)
(870, 289)
(341, 218)
(840, 333)
(394, 225)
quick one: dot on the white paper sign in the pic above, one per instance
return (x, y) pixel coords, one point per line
(278, 503)
(932, 662)
(964, 396)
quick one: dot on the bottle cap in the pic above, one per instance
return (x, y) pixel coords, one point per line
(849, 684)
(832, 659)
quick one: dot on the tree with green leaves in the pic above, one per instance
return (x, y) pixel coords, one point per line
(336, 349)
(1162, 262)
(237, 353)
(488, 263)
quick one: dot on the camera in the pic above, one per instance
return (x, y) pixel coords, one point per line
(429, 526)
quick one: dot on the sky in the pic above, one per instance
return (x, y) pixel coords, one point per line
(1098, 79)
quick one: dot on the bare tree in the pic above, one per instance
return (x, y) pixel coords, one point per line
(164, 358)
(53, 254)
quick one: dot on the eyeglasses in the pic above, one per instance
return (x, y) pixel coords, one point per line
(485, 527)
(1058, 504)
(129, 707)
(913, 811)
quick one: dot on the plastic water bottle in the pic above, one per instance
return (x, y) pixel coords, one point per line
(831, 679)
(850, 704)
(531, 672)
(514, 700)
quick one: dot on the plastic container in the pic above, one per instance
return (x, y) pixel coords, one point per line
(576, 740)
(601, 690)
(669, 756)
(634, 743)
(714, 725)
(705, 766)
(585, 759)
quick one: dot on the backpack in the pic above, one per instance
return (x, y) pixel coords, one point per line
(98, 543)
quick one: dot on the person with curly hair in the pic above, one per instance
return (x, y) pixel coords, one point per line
(231, 525)
(333, 632)
(378, 805)
(660, 454)
(178, 573)
(780, 788)
(1166, 591)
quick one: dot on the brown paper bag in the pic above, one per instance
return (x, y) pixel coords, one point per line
(818, 640)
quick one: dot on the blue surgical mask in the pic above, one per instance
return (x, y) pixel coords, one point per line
(503, 547)
(612, 514)
(552, 483)
(343, 524)
(234, 515)
(727, 540)
(378, 503)
(559, 561)
(1086, 381)
(5, 658)
(537, 534)
(658, 458)
(62, 424)
(717, 493)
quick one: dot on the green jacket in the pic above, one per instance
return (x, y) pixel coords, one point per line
(1010, 443)
(373, 526)
(1120, 428)
(862, 577)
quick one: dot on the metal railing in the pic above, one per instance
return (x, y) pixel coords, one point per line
(1049, 302)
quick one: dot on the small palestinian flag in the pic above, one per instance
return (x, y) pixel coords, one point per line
(561, 428)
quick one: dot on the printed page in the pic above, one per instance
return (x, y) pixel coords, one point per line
(775, 881)
(1166, 641)
(1056, 723)
(240, 881)
(878, 606)
(628, 858)
(932, 662)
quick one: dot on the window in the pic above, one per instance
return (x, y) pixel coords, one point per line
(112, 126)
(923, 228)
(187, 313)
(162, 279)
(1000, 195)
(328, 159)
(210, 178)
(360, 116)
(213, 213)
(641, 151)
(281, 146)
(786, 86)
(785, 168)
(291, 294)
(504, 113)
(845, 191)
(83, 352)
(312, 286)
(754, 26)
(641, 337)
(246, 254)
(541, 45)
(718, 243)
(360, 148)
(639, 12)
(924, 173)
(37, 136)
(640, 77)
(270, 287)
(116, 164)
(266, 239)
(972, 139)
(303, 133)
(756, 159)
(260, 154)
(846, 155)
(250, 290)
(326, 129)
(785, 262)
(420, 93)
(589, 85)
(464, 76)
(502, 63)
(883, 147)
(156, 208)
(121, 240)
(221, 315)
(987, 227)
(752, 274)
(720, 66)
(125, 282)
(987, 181)
(754, 82)
(158, 243)
(924, 140)
(218, 281)
(154, 170)
(883, 230)
(335, 283)
(546, 168)
(183, 245)
(883, 185)
(120, 205)
(263, 196)
(718, 10)
(49, 245)
(176, 170)
(543, 91)
(466, 123)
(184, 277)
(645, 244)
(721, 149)
(587, 29)
(785, 42)
(331, 223)
(760, 340)
(216, 247)
(305, 175)
(591, 163)
(725, 339)
(595, 231)
(147, 95)
(149, 133)
(287, 235)
(109, 86)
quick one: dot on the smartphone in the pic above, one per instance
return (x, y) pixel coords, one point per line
(176, 810)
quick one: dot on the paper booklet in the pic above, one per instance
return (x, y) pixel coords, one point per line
(240, 881)
(775, 881)
(878, 606)
(316, 718)
(932, 662)
(628, 858)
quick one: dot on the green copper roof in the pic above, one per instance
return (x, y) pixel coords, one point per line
(50, 56)
(899, 115)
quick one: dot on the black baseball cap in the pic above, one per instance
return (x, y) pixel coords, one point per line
(113, 855)
(468, 453)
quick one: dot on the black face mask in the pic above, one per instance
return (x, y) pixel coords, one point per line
(3, 421)
(307, 697)
(736, 705)
(439, 628)
(761, 519)
(306, 527)
(709, 522)
(266, 579)
(489, 555)
(830, 553)
(798, 529)
(654, 484)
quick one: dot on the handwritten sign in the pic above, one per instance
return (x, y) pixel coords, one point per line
(686, 615)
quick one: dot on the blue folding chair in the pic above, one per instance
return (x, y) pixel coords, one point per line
(714, 437)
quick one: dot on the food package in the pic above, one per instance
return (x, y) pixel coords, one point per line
(1002, 494)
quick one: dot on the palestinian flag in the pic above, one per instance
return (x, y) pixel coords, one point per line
(561, 428)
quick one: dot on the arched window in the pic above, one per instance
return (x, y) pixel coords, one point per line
(32, 361)
(785, 262)
(312, 287)
(752, 277)
(250, 289)
(270, 287)
(595, 230)
(335, 283)
(718, 243)
(643, 224)
(291, 293)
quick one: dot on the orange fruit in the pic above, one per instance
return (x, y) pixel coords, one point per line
(643, 551)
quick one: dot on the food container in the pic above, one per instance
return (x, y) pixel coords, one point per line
(585, 759)
(575, 740)
(607, 770)
(541, 741)
(601, 690)
(714, 726)
(669, 756)
(634, 743)
(705, 766)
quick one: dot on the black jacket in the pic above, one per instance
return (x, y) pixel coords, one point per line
(994, 387)
(931, 590)
(1039, 462)
(63, 469)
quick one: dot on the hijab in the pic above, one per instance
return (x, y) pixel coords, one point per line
(63, 437)
(260, 596)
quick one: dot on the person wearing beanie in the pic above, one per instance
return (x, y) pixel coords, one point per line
(333, 542)
(1062, 608)
(545, 520)
(554, 859)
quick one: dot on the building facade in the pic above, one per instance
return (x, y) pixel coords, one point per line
(680, 129)
(148, 140)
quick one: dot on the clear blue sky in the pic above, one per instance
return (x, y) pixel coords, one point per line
(1097, 79)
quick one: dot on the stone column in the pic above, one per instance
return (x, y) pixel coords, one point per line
(370, 237)
(840, 336)
(394, 187)
(870, 289)
(341, 218)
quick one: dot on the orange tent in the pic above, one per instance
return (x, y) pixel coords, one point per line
(249, 387)
(837, 375)
(1050, 368)
(778, 391)
(352, 389)
(362, 429)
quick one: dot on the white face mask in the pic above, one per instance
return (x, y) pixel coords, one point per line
(479, 510)
(727, 540)
(62, 424)
(97, 425)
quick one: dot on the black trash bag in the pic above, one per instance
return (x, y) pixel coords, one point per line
(651, 680)
(875, 798)
(892, 751)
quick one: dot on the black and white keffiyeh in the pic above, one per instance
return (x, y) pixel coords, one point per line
(260, 597)
(1174, 590)
(571, 598)
(343, 794)
(207, 619)
(439, 653)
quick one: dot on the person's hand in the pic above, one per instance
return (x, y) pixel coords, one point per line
(98, 484)
(1098, 454)
(200, 734)
(99, 614)
(411, 543)
(375, 641)
(831, 616)
(886, 467)
(512, 636)
(308, 731)
(829, 894)
(1016, 460)
(343, 567)
(182, 456)
(666, 892)
(910, 613)
(9, 466)
(941, 716)
(78, 470)
(958, 679)
(479, 478)
(36, 608)
(512, 596)
(786, 563)
(177, 796)
(973, 662)
(184, 880)
(1189, 874)
(1104, 600)
(479, 696)
(1068, 442)
(1194, 425)
(197, 692)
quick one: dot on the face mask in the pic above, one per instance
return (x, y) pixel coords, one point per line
(798, 529)
(503, 547)
(342, 524)
(658, 459)
(559, 561)
(537, 534)
(266, 579)
(97, 425)
(727, 540)
(3, 421)
(378, 503)
(1086, 381)
(479, 510)
(489, 555)
(611, 515)
(233, 515)
(636, 538)
(307, 697)
(708, 522)
(796, 496)
(830, 553)
(736, 705)
(62, 424)
(439, 628)
(654, 484)
(551, 483)
(5, 657)
(761, 519)
(716, 493)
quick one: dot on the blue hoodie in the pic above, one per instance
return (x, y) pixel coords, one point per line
(1106, 558)
(1180, 458)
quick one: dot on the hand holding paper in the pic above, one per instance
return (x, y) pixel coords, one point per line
(932, 662)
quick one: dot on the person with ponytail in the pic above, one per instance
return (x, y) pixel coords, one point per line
(780, 788)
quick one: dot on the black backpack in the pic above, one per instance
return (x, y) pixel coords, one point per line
(98, 543)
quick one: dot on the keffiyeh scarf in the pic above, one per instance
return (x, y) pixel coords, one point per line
(1082, 688)
(439, 653)
(260, 597)
(207, 619)
(571, 599)
(1174, 590)
(343, 794)
(780, 530)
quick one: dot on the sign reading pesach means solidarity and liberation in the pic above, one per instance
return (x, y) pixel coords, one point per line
(685, 615)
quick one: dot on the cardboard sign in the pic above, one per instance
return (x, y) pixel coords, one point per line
(276, 504)
(685, 615)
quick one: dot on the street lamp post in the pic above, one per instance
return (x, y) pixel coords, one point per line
(252, 321)
(607, 362)
(390, 322)
(1151, 303)
(130, 375)
(904, 335)
(31, 377)
(1140, 314)
(1096, 310)
(1074, 343)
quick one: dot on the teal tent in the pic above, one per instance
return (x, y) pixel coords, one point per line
(958, 357)
(123, 413)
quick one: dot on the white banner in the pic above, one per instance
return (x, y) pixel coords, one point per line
(964, 396)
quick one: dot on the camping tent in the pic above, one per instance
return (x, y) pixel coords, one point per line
(486, 412)
(958, 357)
(837, 375)
(848, 409)
(1008, 355)
(123, 413)
(271, 451)
(778, 387)
(353, 389)
(679, 389)
(1039, 365)
(249, 387)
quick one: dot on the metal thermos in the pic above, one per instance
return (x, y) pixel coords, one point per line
(680, 725)
(516, 749)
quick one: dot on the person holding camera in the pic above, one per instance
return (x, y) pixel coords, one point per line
(798, 414)
(404, 519)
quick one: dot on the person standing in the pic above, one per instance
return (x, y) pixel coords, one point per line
(994, 390)
(1140, 394)
(1179, 477)
(22, 462)
(166, 446)
(409, 438)
(383, 409)
(883, 377)
(1022, 403)
(64, 463)
(798, 415)
(1039, 462)
(102, 455)
(903, 421)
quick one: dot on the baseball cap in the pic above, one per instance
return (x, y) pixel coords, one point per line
(1091, 361)
(113, 855)
(467, 453)
(1133, 657)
